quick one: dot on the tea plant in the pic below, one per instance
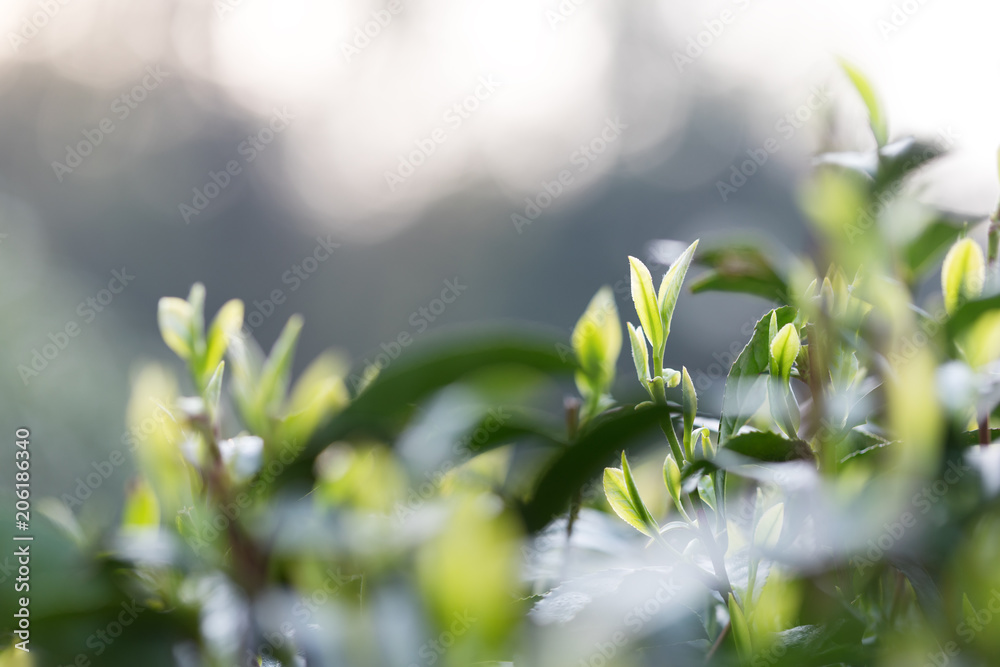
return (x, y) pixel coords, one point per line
(838, 511)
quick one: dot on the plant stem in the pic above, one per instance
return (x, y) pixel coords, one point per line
(718, 642)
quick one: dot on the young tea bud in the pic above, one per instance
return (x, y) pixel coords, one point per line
(963, 274)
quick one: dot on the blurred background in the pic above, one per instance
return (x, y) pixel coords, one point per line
(357, 162)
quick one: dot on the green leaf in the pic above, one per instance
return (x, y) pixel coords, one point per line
(876, 117)
(196, 297)
(672, 478)
(744, 392)
(246, 361)
(318, 394)
(274, 376)
(633, 492)
(671, 378)
(640, 354)
(597, 342)
(581, 462)
(689, 400)
(963, 274)
(967, 314)
(646, 305)
(742, 268)
(968, 611)
(784, 350)
(769, 447)
(670, 287)
(439, 360)
(616, 492)
(213, 390)
(227, 323)
(920, 254)
(901, 158)
(174, 318)
(623, 496)
(741, 633)
(142, 509)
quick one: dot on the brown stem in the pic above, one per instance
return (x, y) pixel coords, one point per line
(718, 643)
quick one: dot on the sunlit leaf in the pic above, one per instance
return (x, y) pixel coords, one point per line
(740, 267)
(876, 116)
(741, 633)
(784, 350)
(640, 353)
(174, 318)
(963, 274)
(690, 404)
(646, 305)
(670, 287)
(597, 342)
(617, 493)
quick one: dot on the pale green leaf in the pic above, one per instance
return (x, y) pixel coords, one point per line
(784, 350)
(213, 389)
(597, 341)
(227, 323)
(690, 405)
(633, 492)
(672, 478)
(963, 274)
(670, 286)
(640, 354)
(741, 633)
(646, 306)
(142, 509)
(877, 118)
(274, 376)
(618, 497)
(174, 318)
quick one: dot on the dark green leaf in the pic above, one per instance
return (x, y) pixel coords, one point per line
(770, 447)
(586, 458)
(383, 407)
(744, 392)
(741, 267)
